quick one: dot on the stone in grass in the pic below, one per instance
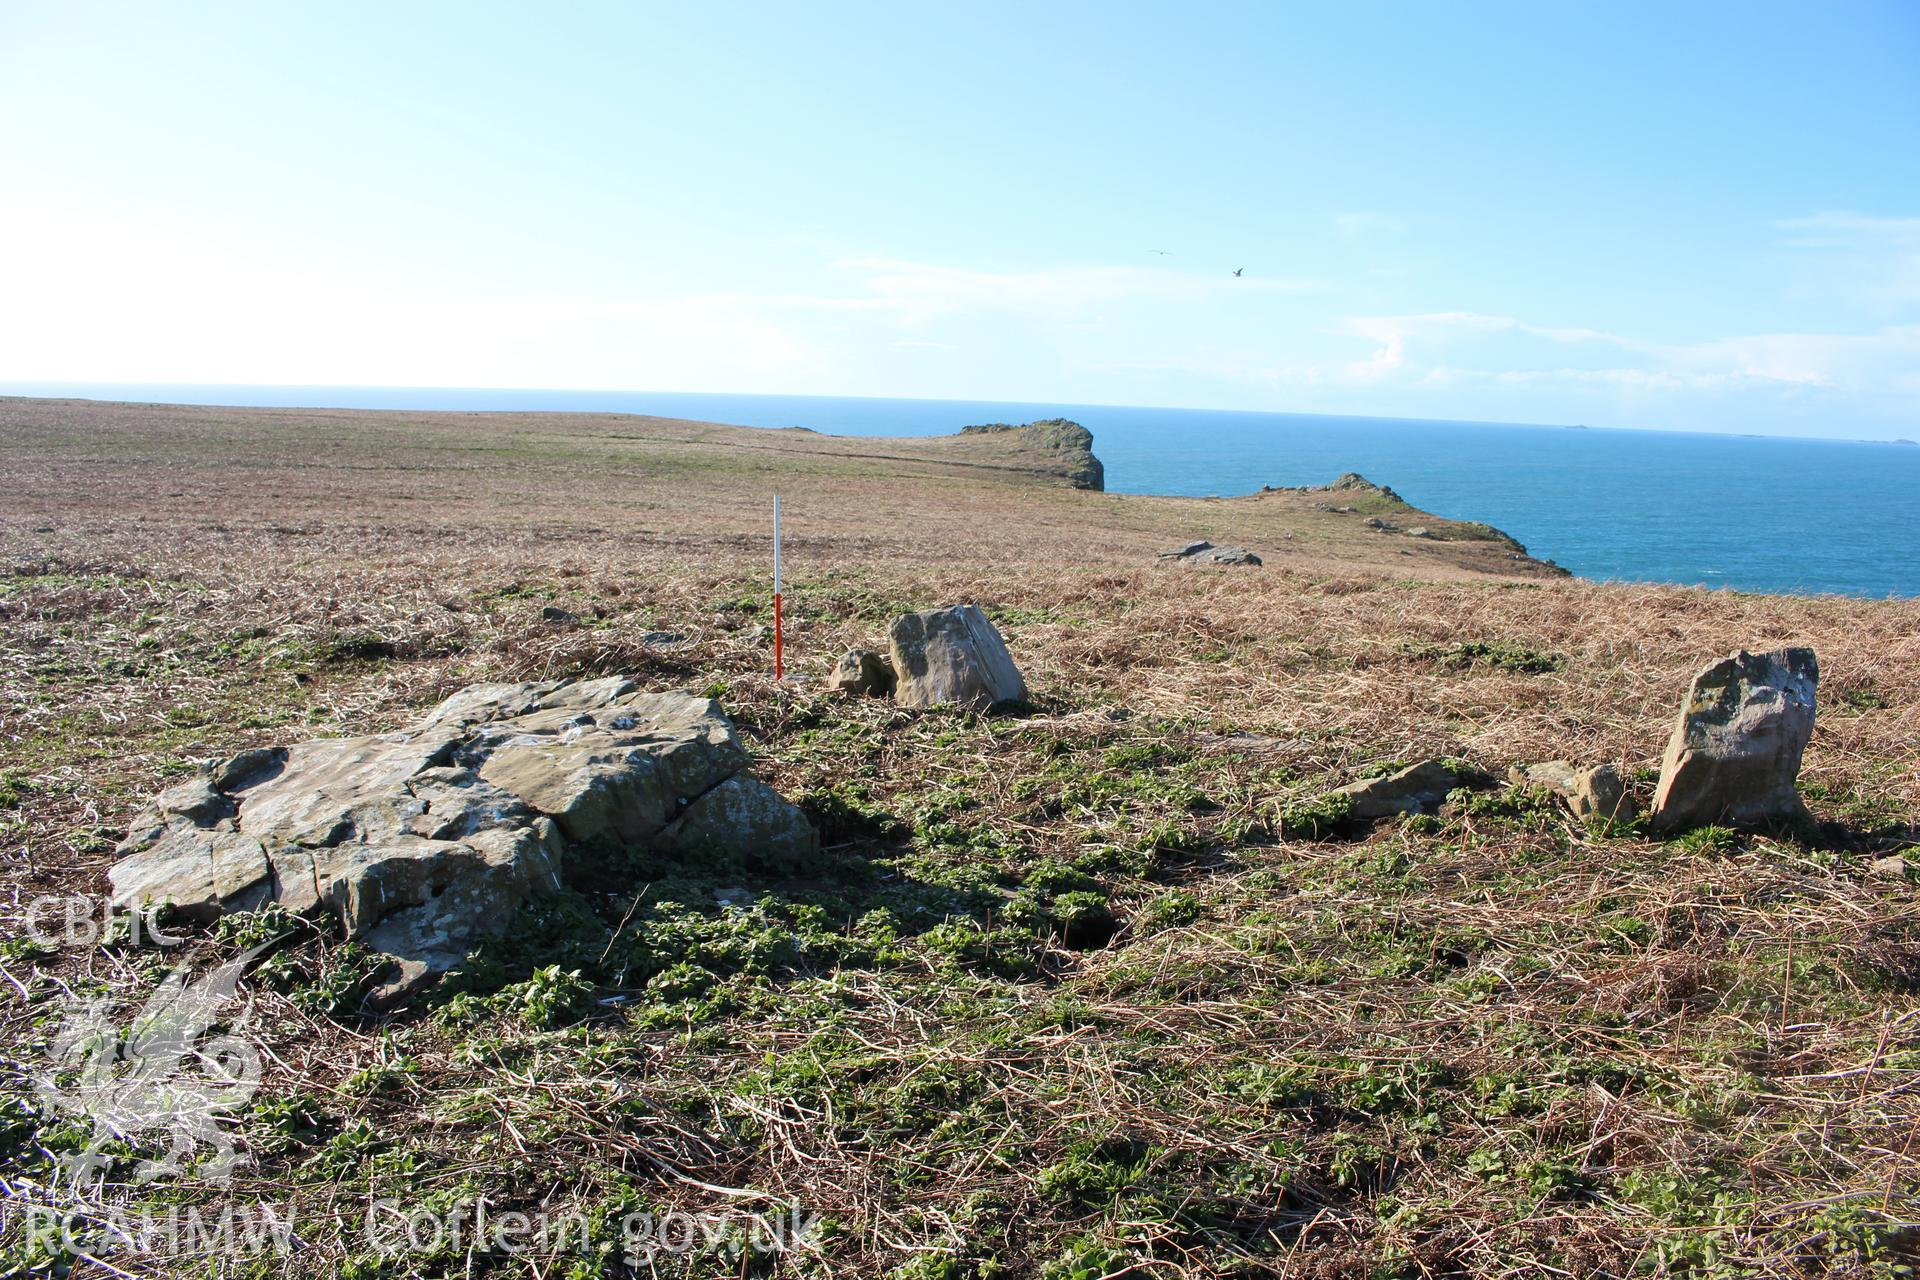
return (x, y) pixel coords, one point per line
(1203, 552)
(1593, 794)
(1419, 788)
(1734, 757)
(421, 842)
(952, 656)
(864, 672)
(1894, 866)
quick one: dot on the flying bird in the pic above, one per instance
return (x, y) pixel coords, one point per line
(1237, 271)
(1162, 252)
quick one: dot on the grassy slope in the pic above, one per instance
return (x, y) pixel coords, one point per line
(1072, 992)
(979, 500)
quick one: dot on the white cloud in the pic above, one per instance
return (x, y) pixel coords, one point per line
(1883, 362)
(1365, 223)
(111, 296)
(1440, 325)
(1837, 230)
(107, 297)
(1449, 330)
(919, 292)
(1866, 258)
(1423, 349)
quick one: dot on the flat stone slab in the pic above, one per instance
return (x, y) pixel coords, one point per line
(421, 841)
(1419, 788)
(1203, 552)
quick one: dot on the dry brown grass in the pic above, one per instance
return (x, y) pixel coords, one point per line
(545, 485)
(1494, 1044)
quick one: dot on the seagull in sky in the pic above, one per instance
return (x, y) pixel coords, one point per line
(1237, 271)
(1162, 252)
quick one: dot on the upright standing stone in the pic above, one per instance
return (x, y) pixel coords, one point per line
(952, 656)
(1735, 754)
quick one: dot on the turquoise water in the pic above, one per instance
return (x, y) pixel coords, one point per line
(1756, 514)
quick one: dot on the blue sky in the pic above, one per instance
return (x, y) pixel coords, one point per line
(1697, 216)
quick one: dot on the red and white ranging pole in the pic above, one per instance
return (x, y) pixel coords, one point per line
(779, 637)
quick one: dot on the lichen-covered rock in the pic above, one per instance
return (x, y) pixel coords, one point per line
(864, 672)
(420, 842)
(952, 656)
(610, 772)
(1735, 753)
(742, 814)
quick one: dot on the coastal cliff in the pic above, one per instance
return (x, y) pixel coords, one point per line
(1064, 446)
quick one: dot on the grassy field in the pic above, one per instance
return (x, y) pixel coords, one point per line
(1102, 987)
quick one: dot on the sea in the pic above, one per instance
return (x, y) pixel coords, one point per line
(1738, 512)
